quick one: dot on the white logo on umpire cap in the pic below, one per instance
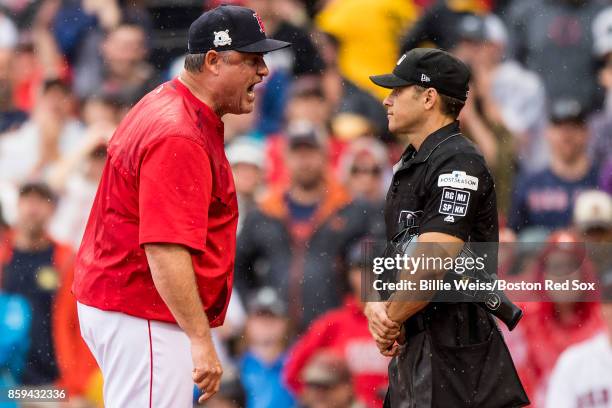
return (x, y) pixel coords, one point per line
(425, 78)
(222, 38)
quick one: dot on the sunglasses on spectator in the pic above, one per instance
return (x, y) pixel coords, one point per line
(322, 386)
(374, 171)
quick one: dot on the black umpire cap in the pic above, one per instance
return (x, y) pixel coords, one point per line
(429, 68)
(227, 28)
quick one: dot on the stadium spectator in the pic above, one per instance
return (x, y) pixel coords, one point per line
(601, 122)
(440, 24)
(40, 270)
(80, 40)
(302, 57)
(600, 146)
(37, 57)
(367, 33)
(344, 331)
(546, 198)
(307, 106)
(75, 178)
(8, 32)
(593, 220)
(546, 32)
(582, 376)
(10, 116)
(102, 108)
(366, 157)
(240, 125)
(227, 336)
(327, 383)
(276, 145)
(246, 156)
(561, 318)
(51, 133)
(302, 60)
(344, 96)
(15, 321)
(593, 216)
(605, 178)
(124, 71)
(267, 333)
(506, 114)
(308, 226)
(307, 101)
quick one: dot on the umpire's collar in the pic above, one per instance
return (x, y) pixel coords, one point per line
(430, 144)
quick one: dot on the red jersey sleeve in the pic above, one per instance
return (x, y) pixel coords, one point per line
(175, 187)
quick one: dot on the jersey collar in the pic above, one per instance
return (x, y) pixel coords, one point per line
(430, 144)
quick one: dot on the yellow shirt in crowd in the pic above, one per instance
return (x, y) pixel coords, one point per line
(369, 33)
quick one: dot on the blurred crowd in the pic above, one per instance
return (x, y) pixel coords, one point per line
(311, 167)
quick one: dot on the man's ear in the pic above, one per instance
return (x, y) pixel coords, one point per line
(431, 98)
(212, 62)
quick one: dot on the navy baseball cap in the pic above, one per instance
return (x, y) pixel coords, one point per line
(429, 68)
(567, 110)
(229, 27)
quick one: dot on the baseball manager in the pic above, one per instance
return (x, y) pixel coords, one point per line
(155, 268)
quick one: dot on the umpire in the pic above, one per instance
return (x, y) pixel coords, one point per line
(452, 354)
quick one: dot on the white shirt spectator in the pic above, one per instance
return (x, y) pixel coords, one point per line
(20, 149)
(582, 377)
(521, 97)
(68, 223)
(8, 32)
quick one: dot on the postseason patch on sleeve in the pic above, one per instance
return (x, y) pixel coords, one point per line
(458, 179)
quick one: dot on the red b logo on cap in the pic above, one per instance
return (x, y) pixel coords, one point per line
(261, 26)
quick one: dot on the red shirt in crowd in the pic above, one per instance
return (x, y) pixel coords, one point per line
(345, 332)
(166, 180)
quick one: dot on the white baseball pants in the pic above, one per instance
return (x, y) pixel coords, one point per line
(145, 363)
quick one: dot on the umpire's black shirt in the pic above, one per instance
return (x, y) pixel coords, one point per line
(455, 355)
(448, 185)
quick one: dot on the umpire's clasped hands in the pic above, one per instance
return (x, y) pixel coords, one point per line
(388, 334)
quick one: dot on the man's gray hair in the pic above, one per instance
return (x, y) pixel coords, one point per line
(194, 62)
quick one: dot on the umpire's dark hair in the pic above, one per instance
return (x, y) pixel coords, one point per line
(449, 106)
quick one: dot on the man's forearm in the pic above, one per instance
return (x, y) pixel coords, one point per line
(174, 279)
(403, 305)
(400, 311)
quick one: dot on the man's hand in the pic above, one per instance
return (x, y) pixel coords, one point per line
(384, 330)
(207, 368)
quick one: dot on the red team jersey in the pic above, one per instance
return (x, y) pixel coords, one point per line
(166, 180)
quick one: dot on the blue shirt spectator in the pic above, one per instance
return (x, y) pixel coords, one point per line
(263, 382)
(15, 319)
(546, 198)
(262, 364)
